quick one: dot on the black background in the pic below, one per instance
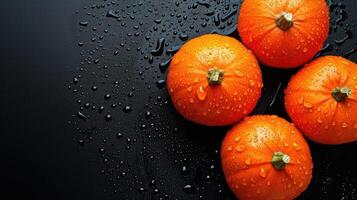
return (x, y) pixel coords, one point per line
(47, 152)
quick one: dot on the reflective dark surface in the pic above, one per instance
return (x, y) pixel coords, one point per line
(85, 112)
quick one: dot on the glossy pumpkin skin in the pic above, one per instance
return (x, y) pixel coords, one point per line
(305, 35)
(201, 101)
(312, 107)
(247, 152)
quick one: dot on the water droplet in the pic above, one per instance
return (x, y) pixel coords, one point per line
(160, 84)
(107, 96)
(189, 189)
(296, 146)
(319, 120)
(201, 93)
(159, 47)
(238, 73)
(94, 88)
(230, 148)
(147, 114)
(237, 139)
(127, 109)
(111, 13)
(301, 100)
(80, 115)
(251, 83)
(192, 100)
(262, 173)
(344, 125)
(84, 23)
(108, 117)
(305, 50)
(240, 148)
(189, 89)
(248, 161)
(119, 135)
(308, 105)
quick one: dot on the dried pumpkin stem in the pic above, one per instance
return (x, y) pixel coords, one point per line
(340, 94)
(280, 160)
(215, 76)
(285, 21)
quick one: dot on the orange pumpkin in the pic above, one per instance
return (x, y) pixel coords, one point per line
(321, 99)
(266, 158)
(214, 80)
(284, 34)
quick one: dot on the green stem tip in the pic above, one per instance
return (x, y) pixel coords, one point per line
(284, 21)
(215, 76)
(280, 160)
(340, 94)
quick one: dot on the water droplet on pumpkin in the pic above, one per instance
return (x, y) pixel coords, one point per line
(192, 100)
(308, 105)
(238, 73)
(319, 120)
(248, 161)
(176, 61)
(344, 125)
(189, 89)
(237, 139)
(195, 80)
(301, 185)
(201, 93)
(296, 146)
(301, 100)
(262, 173)
(251, 83)
(171, 90)
(230, 148)
(305, 50)
(240, 148)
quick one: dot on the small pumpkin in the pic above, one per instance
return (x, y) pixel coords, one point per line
(266, 158)
(214, 80)
(284, 34)
(321, 99)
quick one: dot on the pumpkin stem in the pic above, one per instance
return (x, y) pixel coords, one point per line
(215, 76)
(280, 160)
(341, 94)
(284, 21)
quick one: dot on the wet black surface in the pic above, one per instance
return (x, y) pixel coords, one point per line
(86, 114)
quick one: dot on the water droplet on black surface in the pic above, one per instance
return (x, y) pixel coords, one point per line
(83, 23)
(159, 47)
(183, 36)
(164, 65)
(108, 117)
(112, 14)
(80, 115)
(189, 189)
(161, 83)
(127, 109)
(107, 96)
